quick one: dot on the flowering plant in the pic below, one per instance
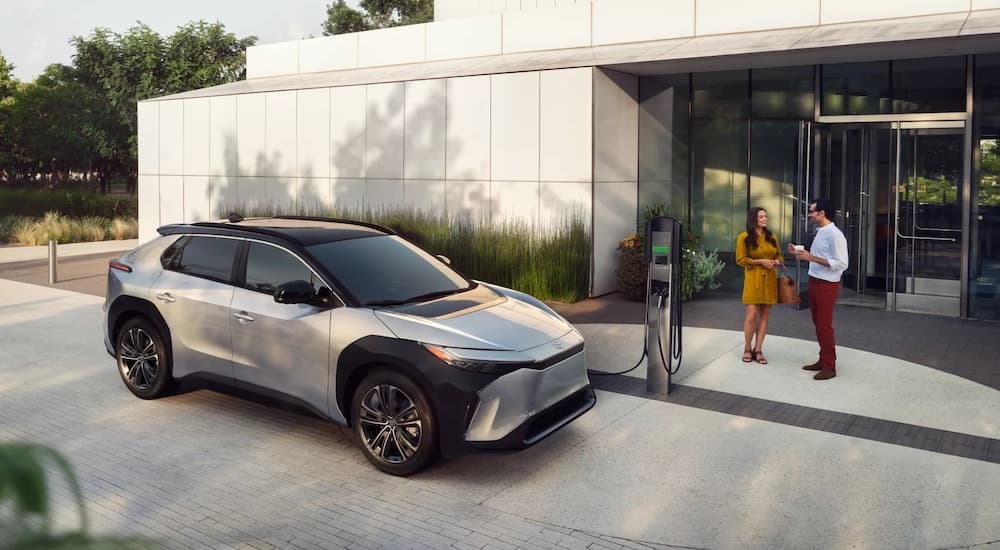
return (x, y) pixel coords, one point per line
(699, 269)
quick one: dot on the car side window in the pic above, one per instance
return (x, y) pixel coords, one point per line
(207, 257)
(269, 267)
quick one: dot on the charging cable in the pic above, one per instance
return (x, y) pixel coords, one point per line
(645, 336)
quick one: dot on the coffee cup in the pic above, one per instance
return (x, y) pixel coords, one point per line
(799, 248)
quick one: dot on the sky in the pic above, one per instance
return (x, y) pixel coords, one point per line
(35, 33)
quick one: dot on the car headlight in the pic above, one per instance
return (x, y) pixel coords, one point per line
(480, 360)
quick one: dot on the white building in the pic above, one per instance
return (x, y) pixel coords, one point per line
(533, 108)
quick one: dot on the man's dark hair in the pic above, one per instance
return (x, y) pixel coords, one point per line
(826, 205)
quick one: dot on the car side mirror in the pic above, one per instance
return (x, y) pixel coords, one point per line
(444, 259)
(295, 292)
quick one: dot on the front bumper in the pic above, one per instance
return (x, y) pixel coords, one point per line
(522, 408)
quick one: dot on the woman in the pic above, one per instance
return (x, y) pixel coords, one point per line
(758, 252)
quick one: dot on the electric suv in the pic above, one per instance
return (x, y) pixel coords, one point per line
(353, 322)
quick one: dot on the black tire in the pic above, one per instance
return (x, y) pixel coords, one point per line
(397, 432)
(143, 358)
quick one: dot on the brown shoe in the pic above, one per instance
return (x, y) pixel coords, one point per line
(814, 366)
(825, 374)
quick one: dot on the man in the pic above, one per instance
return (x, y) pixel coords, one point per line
(827, 259)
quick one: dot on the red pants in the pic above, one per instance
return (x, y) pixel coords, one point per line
(822, 297)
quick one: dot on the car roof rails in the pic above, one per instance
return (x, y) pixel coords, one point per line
(375, 226)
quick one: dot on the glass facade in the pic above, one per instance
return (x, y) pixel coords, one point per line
(713, 144)
(984, 238)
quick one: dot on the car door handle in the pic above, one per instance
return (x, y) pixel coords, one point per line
(165, 297)
(242, 317)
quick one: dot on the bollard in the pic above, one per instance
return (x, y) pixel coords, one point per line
(52, 262)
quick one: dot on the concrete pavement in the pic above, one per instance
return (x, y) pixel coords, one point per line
(206, 470)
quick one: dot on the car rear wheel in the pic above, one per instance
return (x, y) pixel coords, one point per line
(393, 422)
(143, 358)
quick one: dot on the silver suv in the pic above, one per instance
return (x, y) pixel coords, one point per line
(353, 322)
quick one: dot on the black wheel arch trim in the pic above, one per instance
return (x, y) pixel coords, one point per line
(450, 391)
(125, 307)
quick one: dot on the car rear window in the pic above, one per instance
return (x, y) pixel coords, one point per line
(386, 268)
(208, 257)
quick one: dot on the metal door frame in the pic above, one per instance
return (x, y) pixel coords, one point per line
(963, 196)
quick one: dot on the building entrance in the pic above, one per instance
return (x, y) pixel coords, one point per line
(898, 188)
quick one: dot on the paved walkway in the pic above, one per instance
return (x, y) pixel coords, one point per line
(206, 470)
(24, 253)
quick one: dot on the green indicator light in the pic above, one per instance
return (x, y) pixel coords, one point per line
(661, 249)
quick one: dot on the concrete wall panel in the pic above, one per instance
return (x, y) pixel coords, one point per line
(313, 196)
(313, 133)
(171, 199)
(328, 53)
(384, 194)
(172, 137)
(547, 28)
(197, 126)
(727, 16)
(468, 128)
(616, 126)
(392, 46)
(224, 196)
(844, 11)
(149, 137)
(348, 195)
(250, 135)
(347, 132)
(149, 206)
(425, 195)
(250, 193)
(281, 134)
(425, 136)
(514, 200)
(614, 218)
(280, 193)
(222, 136)
(384, 130)
(468, 200)
(273, 59)
(560, 201)
(621, 21)
(470, 37)
(515, 122)
(197, 199)
(566, 125)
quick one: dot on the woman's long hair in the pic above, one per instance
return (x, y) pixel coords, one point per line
(752, 229)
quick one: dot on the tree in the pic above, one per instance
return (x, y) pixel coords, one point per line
(8, 86)
(376, 14)
(119, 70)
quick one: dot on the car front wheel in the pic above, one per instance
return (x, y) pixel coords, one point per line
(393, 422)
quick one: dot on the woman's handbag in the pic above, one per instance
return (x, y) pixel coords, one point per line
(788, 291)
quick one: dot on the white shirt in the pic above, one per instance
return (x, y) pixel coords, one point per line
(830, 245)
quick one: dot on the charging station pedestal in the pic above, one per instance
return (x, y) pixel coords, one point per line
(663, 304)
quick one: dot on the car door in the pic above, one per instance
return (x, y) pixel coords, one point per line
(193, 294)
(280, 347)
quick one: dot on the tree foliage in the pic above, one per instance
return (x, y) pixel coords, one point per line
(375, 14)
(82, 118)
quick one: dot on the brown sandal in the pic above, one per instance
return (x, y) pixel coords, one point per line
(759, 357)
(748, 356)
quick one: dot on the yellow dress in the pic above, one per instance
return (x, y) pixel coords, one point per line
(760, 284)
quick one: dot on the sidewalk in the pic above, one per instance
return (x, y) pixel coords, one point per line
(632, 473)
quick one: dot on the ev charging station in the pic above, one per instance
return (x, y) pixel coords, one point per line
(663, 303)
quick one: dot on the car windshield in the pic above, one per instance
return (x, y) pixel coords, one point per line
(388, 270)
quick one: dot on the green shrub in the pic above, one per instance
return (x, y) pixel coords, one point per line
(35, 203)
(10, 225)
(550, 261)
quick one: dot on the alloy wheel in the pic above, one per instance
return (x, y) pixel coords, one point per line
(140, 360)
(391, 427)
